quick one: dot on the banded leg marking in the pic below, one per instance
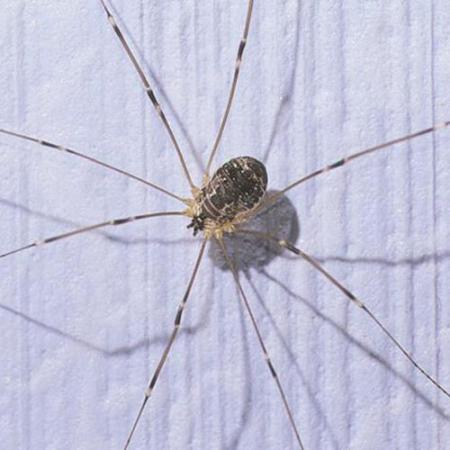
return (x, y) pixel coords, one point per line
(165, 354)
(262, 345)
(91, 159)
(354, 156)
(148, 90)
(113, 222)
(352, 298)
(237, 67)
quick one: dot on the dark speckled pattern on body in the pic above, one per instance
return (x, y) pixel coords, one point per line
(237, 187)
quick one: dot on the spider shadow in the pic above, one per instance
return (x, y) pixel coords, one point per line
(358, 344)
(122, 240)
(248, 251)
(293, 358)
(122, 351)
(244, 415)
(281, 220)
(113, 237)
(251, 252)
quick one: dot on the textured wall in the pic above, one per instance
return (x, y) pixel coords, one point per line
(83, 321)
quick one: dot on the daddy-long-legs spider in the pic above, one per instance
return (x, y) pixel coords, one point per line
(84, 321)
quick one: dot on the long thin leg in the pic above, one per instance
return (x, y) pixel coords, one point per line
(148, 90)
(237, 67)
(113, 222)
(165, 354)
(261, 343)
(355, 300)
(70, 151)
(352, 157)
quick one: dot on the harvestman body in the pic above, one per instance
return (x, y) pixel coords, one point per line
(223, 204)
(232, 195)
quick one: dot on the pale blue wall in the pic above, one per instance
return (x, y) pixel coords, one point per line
(83, 321)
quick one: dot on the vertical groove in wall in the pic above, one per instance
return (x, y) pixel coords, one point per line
(435, 247)
(24, 291)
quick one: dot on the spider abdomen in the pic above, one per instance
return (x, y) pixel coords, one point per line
(236, 188)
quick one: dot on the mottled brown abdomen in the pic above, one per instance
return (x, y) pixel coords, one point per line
(237, 187)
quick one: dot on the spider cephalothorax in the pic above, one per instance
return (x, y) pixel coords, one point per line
(229, 197)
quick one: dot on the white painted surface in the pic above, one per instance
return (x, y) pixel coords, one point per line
(83, 321)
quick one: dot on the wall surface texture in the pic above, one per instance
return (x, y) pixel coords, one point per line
(83, 321)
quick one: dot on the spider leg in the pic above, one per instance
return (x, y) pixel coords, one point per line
(352, 298)
(148, 90)
(70, 151)
(165, 354)
(261, 343)
(237, 67)
(113, 222)
(354, 156)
